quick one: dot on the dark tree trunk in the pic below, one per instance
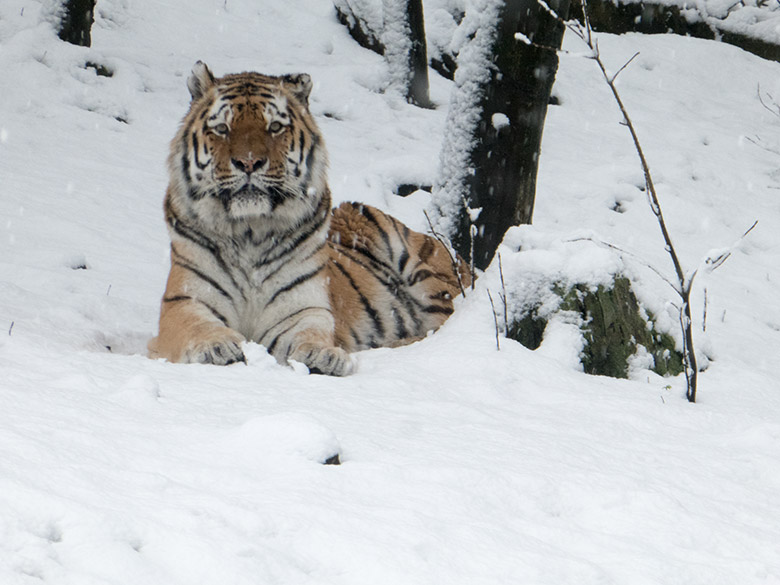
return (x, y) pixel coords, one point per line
(505, 156)
(418, 56)
(76, 23)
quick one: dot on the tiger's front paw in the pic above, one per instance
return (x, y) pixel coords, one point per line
(221, 347)
(332, 361)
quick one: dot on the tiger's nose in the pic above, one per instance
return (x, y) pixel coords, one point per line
(248, 164)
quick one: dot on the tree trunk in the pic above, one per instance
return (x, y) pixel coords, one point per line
(507, 144)
(417, 93)
(76, 23)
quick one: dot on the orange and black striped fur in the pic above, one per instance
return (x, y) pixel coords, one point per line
(256, 252)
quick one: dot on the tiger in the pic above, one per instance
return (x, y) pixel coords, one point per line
(257, 254)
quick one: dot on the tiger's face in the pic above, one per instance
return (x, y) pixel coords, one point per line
(252, 149)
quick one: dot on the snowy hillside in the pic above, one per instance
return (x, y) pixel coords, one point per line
(460, 464)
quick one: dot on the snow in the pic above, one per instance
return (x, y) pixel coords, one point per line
(499, 121)
(460, 463)
(545, 260)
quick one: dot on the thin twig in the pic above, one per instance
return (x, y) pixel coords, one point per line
(757, 141)
(495, 319)
(472, 237)
(628, 253)
(704, 312)
(750, 229)
(626, 64)
(503, 295)
(776, 110)
(453, 259)
(715, 263)
(472, 269)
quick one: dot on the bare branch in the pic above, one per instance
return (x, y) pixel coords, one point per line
(685, 285)
(774, 110)
(495, 319)
(651, 192)
(626, 64)
(472, 236)
(704, 312)
(750, 229)
(758, 142)
(718, 261)
(586, 18)
(503, 295)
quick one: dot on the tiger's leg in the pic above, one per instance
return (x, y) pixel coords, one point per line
(192, 330)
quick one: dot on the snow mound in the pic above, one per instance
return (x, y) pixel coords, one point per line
(269, 438)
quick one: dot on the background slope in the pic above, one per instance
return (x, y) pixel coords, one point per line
(462, 464)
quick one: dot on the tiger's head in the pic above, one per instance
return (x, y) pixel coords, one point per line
(248, 148)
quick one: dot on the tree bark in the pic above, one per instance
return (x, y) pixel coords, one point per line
(76, 23)
(418, 91)
(508, 137)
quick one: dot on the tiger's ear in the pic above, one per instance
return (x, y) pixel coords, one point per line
(200, 80)
(300, 85)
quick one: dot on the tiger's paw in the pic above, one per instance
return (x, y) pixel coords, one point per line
(331, 361)
(221, 348)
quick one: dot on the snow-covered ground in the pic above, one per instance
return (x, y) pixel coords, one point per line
(461, 464)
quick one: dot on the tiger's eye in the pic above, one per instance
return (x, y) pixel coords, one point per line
(221, 129)
(275, 126)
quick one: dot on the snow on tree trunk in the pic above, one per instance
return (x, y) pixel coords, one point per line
(76, 22)
(494, 128)
(472, 76)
